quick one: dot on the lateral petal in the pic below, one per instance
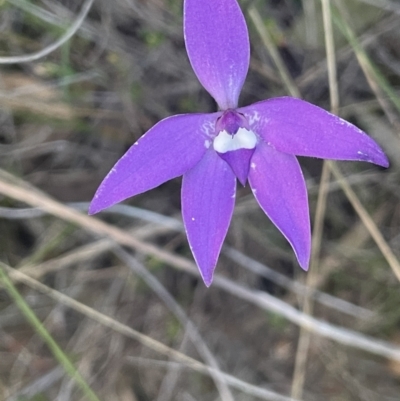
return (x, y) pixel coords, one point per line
(217, 43)
(278, 185)
(208, 199)
(297, 127)
(169, 149)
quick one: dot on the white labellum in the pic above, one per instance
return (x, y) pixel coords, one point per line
(243, 139)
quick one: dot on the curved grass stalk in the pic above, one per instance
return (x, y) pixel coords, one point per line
(54, 46)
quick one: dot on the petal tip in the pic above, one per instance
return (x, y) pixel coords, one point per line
(93, 209)
(208, 281)
(304, 265)
(376, 156)
(207, 274)
(303, 255)
(98, 204)
(384, 162)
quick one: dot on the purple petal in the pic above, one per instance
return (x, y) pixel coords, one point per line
(208, 199)
(217, 43)
(278, 185)
(297, 127)
(166, 151)
(239, 162)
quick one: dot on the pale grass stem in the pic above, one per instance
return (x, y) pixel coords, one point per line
(26, 193)
(300, 368)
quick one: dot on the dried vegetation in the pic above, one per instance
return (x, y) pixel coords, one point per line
(127, 280)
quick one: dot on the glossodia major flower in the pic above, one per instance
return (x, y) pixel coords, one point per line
(256, 143)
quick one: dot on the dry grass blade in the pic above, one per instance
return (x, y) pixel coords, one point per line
(376, 80)
(303, 345)
(368, 221)
(87, 251)
(175, 308)
(268, 42)
(143, 339)
(263, 300)
(297, 287)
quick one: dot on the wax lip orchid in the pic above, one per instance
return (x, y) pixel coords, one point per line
(256, 143)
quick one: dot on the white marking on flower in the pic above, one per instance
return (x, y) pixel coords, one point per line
(254, 117)
(253, 166)
(230, 84)
(208, 128)
(193, 219)
(349, 125)
(363, 155)
(207, 143)
(243, 139)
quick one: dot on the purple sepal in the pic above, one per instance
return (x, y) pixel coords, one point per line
(208, 199)
(166, 151)
(239, 161)
(297, 127)
(217, 43)
(278, 185)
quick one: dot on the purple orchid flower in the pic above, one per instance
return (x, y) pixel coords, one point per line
(257, 143)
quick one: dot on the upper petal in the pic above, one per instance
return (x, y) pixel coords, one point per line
(208, 199)
(217, 43)
(166, 151)
(297, 127)
(278, 185)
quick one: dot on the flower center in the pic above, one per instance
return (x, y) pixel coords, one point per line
(235, 143)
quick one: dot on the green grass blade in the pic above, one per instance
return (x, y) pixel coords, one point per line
(58, 353)
(364, 59)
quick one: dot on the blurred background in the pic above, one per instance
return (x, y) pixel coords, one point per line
(111, 307)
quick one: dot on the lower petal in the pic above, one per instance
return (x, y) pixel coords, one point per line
(278, 185)
(166, 151)
(208, 199)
